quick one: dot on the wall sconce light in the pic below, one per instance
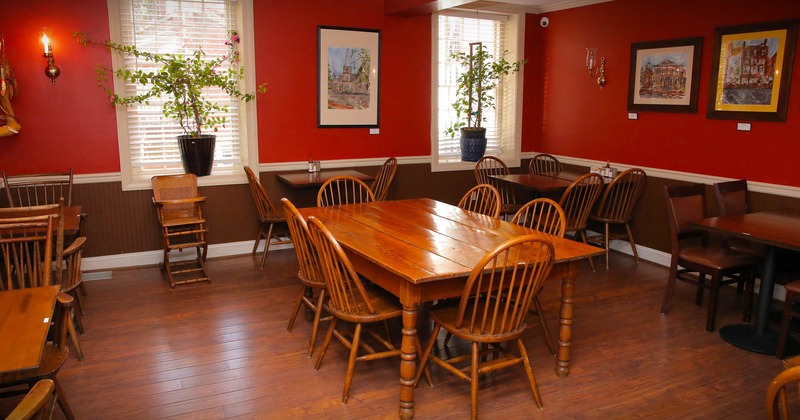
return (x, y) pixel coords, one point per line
(591, 65)
(52, 71)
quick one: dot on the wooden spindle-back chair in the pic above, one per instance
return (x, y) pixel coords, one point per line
(543, 164)
(380, 186)
(483, 199)
(344, 190)
(577, 203)
(309, 274)
(38, 189)
(490, 165)
(351, 300)
(268, 216)
(492, 310)
(616, 208)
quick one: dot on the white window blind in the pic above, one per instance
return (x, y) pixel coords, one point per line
(176, 27)
(455, 32)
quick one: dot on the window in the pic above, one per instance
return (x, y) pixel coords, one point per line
(453, 32)
(147, 139)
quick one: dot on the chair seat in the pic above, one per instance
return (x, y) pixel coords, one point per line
(716, 257)
(183, 221)
(386, 306)
(51, 362)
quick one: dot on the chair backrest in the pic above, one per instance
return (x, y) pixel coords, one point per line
(380, 187)
(344, 190)
(483, 199)
(73, 256)
(38, 403)
(31, 239)
(620, 196)
(684, 203)
(500, 288)
(542, 214)
(578, 200)
(346, 292)
(26, 245)
(266, 211)
(732, 197)
(175, 187)
(38, 189)
(490, 165)
(776, 401)
(306, 253)
(544, 163)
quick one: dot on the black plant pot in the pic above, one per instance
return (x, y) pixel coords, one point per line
(197, 153)
(473, 144)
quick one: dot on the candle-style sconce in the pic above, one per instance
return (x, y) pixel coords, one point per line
(594, 70)
(52, 71)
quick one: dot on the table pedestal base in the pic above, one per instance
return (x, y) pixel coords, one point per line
(745, 336)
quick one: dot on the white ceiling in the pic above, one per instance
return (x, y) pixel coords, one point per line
(542, 6)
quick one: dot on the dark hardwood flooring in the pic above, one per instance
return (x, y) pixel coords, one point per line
(221, 350)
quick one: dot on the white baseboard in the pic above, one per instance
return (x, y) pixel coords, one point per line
(105, 263)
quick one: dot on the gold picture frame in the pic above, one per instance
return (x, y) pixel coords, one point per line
(752, 71)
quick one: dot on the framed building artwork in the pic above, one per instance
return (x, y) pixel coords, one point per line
(664, 75)
(751, 71)
(348, 77)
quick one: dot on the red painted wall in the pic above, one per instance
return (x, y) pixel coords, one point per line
(69, 123)
(578, 119)
(72, 124)
(286, 45)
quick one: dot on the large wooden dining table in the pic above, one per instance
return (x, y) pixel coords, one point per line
(775, 229)
(24, 320)
(421, 250)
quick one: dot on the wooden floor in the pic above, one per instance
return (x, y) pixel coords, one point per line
(221, 350)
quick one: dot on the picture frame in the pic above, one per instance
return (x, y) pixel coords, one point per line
(348, 76)
(751, 71)
(664, 75)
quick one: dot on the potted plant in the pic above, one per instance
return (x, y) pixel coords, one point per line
(181, 80)
(476, 84)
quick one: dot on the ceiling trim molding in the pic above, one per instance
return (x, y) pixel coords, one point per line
(567, 4)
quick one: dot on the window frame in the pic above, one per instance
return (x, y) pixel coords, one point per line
(248, 126)
(515, 37)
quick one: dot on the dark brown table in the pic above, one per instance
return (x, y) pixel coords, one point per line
(24, 320)
(542, 184)
(572, 176)
(316, 179)
(421, 250)
(775, 229)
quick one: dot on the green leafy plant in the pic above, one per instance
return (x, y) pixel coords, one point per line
(180, 80)
(476, 84)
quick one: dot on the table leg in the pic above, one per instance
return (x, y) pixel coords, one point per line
(759, 338)
(408, 361)
(565, 319)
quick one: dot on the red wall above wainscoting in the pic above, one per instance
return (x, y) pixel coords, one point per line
(286, 43)
(582, 121)
(69, 123)
(72, 124)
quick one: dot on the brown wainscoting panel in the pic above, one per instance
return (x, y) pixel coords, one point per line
(121, 222)
(117, 222)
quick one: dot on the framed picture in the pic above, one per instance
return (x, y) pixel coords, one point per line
(751, 71)
(664, 75)
(349, 77)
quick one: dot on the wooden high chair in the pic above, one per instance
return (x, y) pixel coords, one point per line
(182, 226)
